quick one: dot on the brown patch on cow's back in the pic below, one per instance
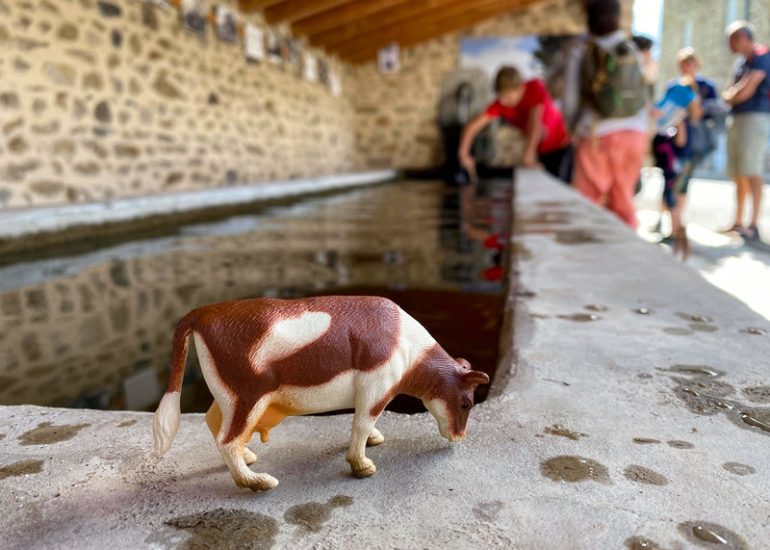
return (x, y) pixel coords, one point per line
(363, 334)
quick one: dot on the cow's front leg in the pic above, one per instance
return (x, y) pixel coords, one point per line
(363, 424)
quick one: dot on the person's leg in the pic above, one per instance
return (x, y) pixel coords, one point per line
(559, 163)
(681, 186)
(591, 170)
(626, 155)
(755, 185)
(738, 141)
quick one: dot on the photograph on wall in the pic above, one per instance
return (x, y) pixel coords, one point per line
(253, 42)
(294, 56)
(389, 59)
(323, 72)
(273, 47)
(227, 24)
(309, 67)
(534, 56)
(335, 84)
(194, 14)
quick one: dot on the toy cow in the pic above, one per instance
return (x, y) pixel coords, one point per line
(266, 359)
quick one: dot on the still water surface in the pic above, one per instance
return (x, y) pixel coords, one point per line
(92, 327)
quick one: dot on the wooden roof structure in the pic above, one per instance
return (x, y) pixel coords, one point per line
(355, 29)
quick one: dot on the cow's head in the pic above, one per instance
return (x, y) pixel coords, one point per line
(452, 399)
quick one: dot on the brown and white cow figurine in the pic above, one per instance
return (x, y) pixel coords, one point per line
(266, 359)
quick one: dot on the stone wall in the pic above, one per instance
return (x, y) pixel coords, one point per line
(102, 99)
(702, 26)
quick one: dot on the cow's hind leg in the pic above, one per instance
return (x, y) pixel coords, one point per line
(363, 426)
(375, 438)
(214, 422)
(231, 447)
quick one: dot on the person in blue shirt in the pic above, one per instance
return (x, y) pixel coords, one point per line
(696, 135)
(749, 125)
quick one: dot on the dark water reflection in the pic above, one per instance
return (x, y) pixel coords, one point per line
(93, 329)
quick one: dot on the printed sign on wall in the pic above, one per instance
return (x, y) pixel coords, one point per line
(254, 43)
(227, 24)
(389, 59)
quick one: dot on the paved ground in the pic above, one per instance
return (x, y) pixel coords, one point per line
(725, 261)
(632, 407)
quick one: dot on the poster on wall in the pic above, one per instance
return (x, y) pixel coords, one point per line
(227, 24)
(309, 67)
(389, 59)
(254, 42)
(294, 56)
(273, 47)
(335, 84)
(543, 57)
(323, 72)
(194, 15)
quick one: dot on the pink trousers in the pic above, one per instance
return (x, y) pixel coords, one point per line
(607, 169)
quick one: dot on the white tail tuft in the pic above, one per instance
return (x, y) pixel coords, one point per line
(166, 422)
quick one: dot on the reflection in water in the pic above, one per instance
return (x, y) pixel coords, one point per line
(94, 329)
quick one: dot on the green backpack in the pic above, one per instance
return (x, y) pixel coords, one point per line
(612, 82)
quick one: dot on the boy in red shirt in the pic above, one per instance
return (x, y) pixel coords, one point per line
(528, 107)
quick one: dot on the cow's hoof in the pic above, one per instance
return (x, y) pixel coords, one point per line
(367, 469)
(248, 456)
(260, 482)
(375, 439)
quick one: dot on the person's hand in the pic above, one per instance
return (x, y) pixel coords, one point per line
(728, 96)
(467, 161)
(529, 160)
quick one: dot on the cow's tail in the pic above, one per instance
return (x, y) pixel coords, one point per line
(169, 413)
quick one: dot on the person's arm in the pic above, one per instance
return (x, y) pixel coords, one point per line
(680, 139)
(533, 135)
(470, 132)
(745, 88)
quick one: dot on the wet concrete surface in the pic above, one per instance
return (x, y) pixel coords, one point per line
(508, 485)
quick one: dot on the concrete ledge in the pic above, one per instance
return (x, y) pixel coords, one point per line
(65, 220)
(582, 388)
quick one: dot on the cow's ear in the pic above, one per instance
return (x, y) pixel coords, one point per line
(475, 378)
(464, 363)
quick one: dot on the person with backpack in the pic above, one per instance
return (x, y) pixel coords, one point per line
(749, 124)
(606, 103)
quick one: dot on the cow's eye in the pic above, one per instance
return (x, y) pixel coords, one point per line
(466, 404)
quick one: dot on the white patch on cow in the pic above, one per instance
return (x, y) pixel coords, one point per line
(338, 393)
(438, 409)
(217, 387)
(288, 336)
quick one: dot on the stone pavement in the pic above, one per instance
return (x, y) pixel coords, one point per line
(740, 269)
(631, 406)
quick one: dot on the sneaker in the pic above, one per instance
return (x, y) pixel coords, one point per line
(750, 234)
(670, 240)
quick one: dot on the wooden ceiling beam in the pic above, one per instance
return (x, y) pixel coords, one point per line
(342, 15)
(299, 9)
(391, 17)
(253, 5)
(365, 49)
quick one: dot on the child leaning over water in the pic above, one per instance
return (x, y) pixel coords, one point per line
(526, 105)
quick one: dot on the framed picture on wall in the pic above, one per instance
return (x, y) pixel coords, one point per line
(323, 72)
(227, 24)
(193, 13)
(309, 67)
(273, 47)
(389, 59)
(294, 56)
(335, 84)
(253, 42)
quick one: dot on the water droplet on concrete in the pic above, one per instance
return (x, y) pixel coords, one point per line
(739, 469)
(573, 469)
(678, 444)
